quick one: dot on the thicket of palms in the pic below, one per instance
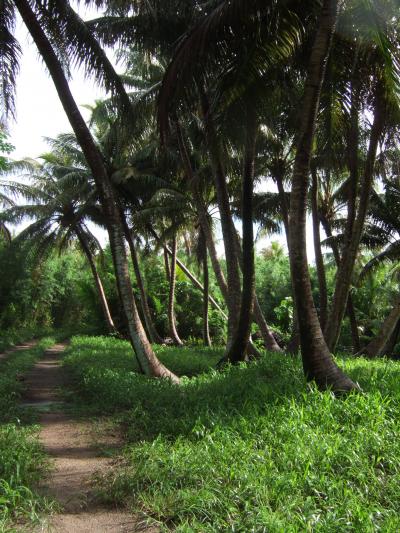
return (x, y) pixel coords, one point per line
(216, 97)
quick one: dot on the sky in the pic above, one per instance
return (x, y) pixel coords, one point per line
(40, 115)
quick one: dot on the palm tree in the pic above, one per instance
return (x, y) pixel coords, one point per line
(384, 230)
(59, 203)
(53, 23)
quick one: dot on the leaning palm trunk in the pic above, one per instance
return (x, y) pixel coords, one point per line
(317, 361)
(346, 268)
(238, 348)
(377, 346)
(151, 330)
(147, 360)
(99, 286)
(171, 300)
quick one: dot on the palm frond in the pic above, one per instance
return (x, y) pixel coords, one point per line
(10, 52)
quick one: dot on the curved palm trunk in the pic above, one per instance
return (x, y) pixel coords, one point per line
(151, 330)
(238, 348)
(317, 361)
(99, 286)
(206, 329)
(147, 359)
(319, 260)
(377, 346)
(346, 268)
(171, 300)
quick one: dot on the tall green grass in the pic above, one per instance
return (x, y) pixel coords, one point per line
(252, 448)
(22, 461)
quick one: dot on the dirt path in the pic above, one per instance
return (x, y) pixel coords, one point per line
(75, 459)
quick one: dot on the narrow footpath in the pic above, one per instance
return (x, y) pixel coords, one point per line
(75, 459)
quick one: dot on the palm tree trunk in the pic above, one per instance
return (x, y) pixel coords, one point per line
(227, 226)
(206, 329)
(202, 214)
(355, 337)
(99, 286)
(188, 274)
(294, 341)
(151, 330)
(317, 361)
(319, 260)
(171, 300)
(376, 347)
(238, 348)
(269, 339)
(147, 359)
(166, 264)
(346, 268)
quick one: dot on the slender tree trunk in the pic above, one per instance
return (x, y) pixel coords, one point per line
(355, 337)
(346, 268)
(319, 260)
(238, 348)
(151, 329)
(147, 360)
(99, 286)
(227, 226)
(206, 329)
(171, 300)
(376, 347)
(317, 361)
(294, 341)
(189, 275)
(268, 338)
(166, 264)
(202, 214)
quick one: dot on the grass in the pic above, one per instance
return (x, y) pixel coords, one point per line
(251, 449)
(22, 459)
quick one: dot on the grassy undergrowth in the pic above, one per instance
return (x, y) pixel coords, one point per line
(22, 461)
(249, 449)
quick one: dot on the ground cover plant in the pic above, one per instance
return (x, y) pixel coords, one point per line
(23, 462)
(251, 448)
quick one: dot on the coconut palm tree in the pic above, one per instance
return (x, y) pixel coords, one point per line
(384, 229)
(59, 201)
(52, 24)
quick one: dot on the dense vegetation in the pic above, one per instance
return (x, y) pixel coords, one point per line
(272, 117)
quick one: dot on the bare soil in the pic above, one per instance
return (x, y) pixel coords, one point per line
(75, 458)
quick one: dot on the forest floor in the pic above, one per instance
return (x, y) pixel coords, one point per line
(70, 442)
